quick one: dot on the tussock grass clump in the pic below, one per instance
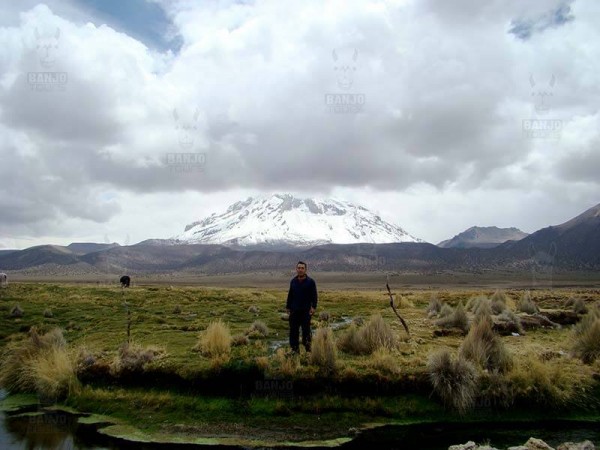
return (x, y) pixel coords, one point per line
(549, 383)
(579, 306)
(215, 340)
(403, 302)
(498, 302)
(284, 364)
(483, 310)
(454, 380)
(435, 306)
(458, 319)
(177, 309)
(239, 340)
(485, 348)
(54, 374)
(384, 361)
(48, 313)
(349, 342)
(586, 344)
(258, 328)
(16, 311)
(474, 302)
(324, 352)
(526, 304)
(375, 334)
(446, 310)
(253, 309)
(133, 357)
(39, 364)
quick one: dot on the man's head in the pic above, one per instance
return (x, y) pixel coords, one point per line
(301, 268)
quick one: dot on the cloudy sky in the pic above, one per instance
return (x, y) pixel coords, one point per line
(126, 120)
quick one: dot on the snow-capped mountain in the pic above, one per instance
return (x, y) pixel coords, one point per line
(282, 220)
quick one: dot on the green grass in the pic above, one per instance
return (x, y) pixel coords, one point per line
(95, 317)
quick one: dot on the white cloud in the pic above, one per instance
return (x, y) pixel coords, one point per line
(439, 144)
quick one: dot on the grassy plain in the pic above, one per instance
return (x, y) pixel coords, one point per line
(257, 389)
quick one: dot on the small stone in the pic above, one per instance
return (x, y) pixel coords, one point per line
(585, 445)
(468, 446)
(537, 444)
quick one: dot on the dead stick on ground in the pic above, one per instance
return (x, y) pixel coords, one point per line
(387, 285)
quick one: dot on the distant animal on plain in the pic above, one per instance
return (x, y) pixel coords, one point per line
(3, 280)
(125, 281)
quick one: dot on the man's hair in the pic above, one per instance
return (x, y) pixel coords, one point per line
(303, 263)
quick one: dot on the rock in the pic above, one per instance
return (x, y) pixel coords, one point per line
(562, 317)
(448, 332)
(468, 446)
(533, 321)
(506, 328)
(585, 445)
(537, 444)
(518, 447)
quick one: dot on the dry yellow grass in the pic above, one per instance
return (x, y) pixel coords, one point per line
(586, 344)
(133, 357)
(324, 352)
(54, 374)
(453, 379)
(485, 348)
(375, 334)
(384, 361)
(215, 340)
(40, 364)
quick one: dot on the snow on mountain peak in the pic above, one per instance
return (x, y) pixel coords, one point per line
(286, 220)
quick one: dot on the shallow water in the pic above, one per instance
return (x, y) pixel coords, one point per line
(441, 436)
(60, 431)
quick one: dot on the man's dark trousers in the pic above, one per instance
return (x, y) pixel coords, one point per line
(300, 319)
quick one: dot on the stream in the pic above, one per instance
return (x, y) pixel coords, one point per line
(61, 431)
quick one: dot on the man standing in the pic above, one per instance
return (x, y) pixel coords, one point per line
(301, 305)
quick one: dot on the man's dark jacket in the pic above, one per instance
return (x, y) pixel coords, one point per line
(302, 294)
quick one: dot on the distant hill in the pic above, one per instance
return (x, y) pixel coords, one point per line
(483, 237)
(81, 248)
(573, 245)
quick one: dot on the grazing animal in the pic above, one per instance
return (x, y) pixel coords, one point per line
(3, 280)
(125, 281)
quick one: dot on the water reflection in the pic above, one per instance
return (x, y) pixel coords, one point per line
(60, 431)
